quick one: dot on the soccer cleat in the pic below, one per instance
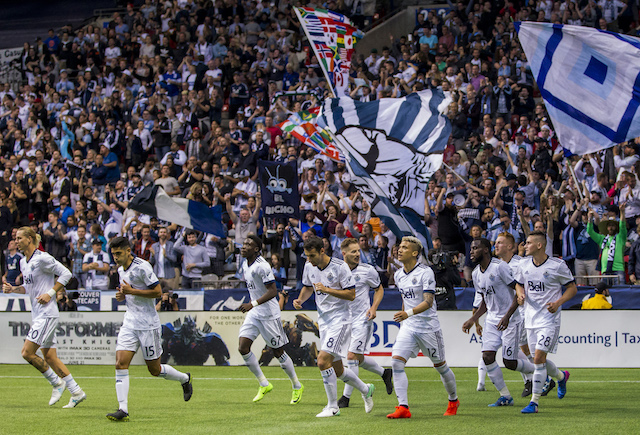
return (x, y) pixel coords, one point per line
(187, 388)
(452, 408)
(262, 391)
(527, 389)
(368, 398)
(76, 399)
(502, 401)
(387, 377)
(56, 394)
(562, 385)
(296, 395)
(549, 385)
(343, 402)
(531, 408)
(119, 415)
(400, 412)
(329, 412)
(480, 387)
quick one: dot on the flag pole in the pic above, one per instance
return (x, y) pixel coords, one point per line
(326, 73)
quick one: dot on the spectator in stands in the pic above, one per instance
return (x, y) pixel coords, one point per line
(612, 238)
(12, 273)
(168, 302)
(194, 258)
(163, 259)
(97, 265)
(142, 247)
(599, 300)
(634, 259)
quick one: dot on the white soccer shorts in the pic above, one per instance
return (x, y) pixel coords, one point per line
(409, 342)
(271, 331)
(149, 340)
(361, 333)
(544, 339)
(43, 332)
(509, 339)
(334, 339)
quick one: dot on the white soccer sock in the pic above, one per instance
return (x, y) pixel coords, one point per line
(355, 368)
(495, 374)
(539, 378)
(530, 375)
(52, 377)
(349, 377)
(449, 381)
(330, 386)
(525, 376)
(252, 362)
(400, 381)
(482, 371)
(171, 374)
(371, 365)
(72, 386)
(122, 389)
(287, 366)
(525, 367)
(553, 371)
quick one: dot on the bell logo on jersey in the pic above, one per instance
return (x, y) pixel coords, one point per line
(407, 294)
(535, 286)
(489, 290)
(28, 280)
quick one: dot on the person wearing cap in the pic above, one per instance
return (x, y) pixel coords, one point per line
(612, 239)
(239, 95)
(599, 300)
(96, 265)
(586, 249)
(243, 189)
(505, 193)
(625, 156)
(448, 226)
(630, 194)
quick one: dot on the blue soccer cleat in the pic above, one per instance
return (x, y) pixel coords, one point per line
(502, 401)
(562, 385)
(531, 408)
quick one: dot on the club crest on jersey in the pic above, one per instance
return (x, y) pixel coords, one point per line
(546, 274)
(357, 278)
(330, 276)
(492, 277)
(414, 280)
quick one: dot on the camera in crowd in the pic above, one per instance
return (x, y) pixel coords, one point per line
(442, 260)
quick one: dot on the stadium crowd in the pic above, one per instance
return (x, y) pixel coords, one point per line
(189, 94)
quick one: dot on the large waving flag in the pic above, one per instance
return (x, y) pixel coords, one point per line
(332, 37)
(154, 201)
(392, 147)
(589, 80)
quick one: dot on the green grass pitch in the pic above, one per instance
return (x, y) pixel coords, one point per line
(598, 401)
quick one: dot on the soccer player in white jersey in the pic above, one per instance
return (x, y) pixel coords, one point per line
(263, 317)
(332, 282)
(540, 279)
(39, 271)
(363, 311)
(505, 248)
(139, 287)
(493, 280)
(419, 327)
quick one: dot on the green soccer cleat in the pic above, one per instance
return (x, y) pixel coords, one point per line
(296, 395)
(262, 391)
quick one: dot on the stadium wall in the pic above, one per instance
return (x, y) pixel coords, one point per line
(587, 339)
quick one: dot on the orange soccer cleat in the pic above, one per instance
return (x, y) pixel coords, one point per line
(452, 409)
(400, 412)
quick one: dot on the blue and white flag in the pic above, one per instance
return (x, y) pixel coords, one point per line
(589, 80)
(392, 147)
(154, 201)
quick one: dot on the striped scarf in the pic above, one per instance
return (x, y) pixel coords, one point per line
(610, 255)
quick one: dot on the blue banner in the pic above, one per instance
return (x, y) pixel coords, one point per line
(279, 189)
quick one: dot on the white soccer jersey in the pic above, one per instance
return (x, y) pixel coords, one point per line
(412, 286)
(98, 279)
(542, 284)
(141, 312)
(336, 275)
(366, 278)
(514, 264)
(38, 277)
(493, 284)
(257, 276)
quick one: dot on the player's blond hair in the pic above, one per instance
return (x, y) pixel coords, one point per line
(348, 242)
(509, 237)
(29, 233)
(415, 241)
